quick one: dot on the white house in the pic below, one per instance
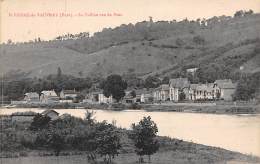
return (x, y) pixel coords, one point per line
(202, 91)
(49, 97)
(31, 97)
(147, 96)
(161, 93)
(103, 99)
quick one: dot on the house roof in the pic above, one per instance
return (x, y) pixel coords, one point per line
(24, 114)
(49, 93)
(179, 83)
(225, 84)
(194, 86)
(49, 111)
(164, 87)
(70, 92)
(205, 87)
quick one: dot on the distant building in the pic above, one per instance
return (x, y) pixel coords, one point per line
(31, 97)
(51, 113)
(147, 97)
(49, 97)
(23, 116)
(202, 91)
(192, 70)
(69, 94)
(162, 93)
(103, 99)
(226, 88)
(177, 87)
(129, 98)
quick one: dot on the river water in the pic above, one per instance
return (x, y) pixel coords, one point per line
(239, 133)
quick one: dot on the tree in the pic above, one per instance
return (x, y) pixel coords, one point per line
(166, 80)
(143, 135)
(247, 87)
(152, 82)
(108, 141)
(133, 93)
(40, 122)
(114, 86)
(239, 13)
(56, 142)
(59, 73)
(198, 39)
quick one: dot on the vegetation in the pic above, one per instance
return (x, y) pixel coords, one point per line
(248, 87)
(40, 122)
(143, 135)
(114, 86)
(152, 82)
(89, 139)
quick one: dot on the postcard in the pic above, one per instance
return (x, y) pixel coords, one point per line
(129, 81)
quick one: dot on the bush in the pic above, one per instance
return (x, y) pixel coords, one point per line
(198, 39)
(143, 135)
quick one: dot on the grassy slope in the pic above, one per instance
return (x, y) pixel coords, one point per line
(115, 55)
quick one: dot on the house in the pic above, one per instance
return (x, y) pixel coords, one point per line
(147, 96)
(138, 96)
(49, 97)
(22, 116)
(225, 89)
(202, 91)
(129, 97)
(51, 113)
(179, 89)
(103, 99)
(31, 97)
(69, 94)
(162, 93)
(191, 70)
(92, 97)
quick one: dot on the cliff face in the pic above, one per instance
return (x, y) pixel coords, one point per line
(144, 48)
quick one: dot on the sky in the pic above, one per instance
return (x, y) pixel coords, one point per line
(24, 20)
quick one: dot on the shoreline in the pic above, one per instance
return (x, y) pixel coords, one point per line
(182, 108)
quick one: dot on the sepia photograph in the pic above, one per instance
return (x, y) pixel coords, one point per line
(129, 81)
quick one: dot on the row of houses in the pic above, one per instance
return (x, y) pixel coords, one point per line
(178, 89)
(50, 96)
(181, 89)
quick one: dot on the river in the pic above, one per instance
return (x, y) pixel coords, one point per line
(239, 133)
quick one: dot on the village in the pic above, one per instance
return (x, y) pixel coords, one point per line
(178, 90)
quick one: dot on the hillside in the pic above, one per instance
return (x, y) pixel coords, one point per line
(146, 48)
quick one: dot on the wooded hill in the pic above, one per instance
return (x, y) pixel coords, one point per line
(166, 48)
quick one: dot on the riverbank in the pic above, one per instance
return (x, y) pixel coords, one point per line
(168, 107)
(171, 151)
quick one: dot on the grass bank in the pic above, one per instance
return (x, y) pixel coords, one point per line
(14, 150)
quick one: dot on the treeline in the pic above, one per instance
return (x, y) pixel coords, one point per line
(69, 133)
(149, 30)
(15, 86)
